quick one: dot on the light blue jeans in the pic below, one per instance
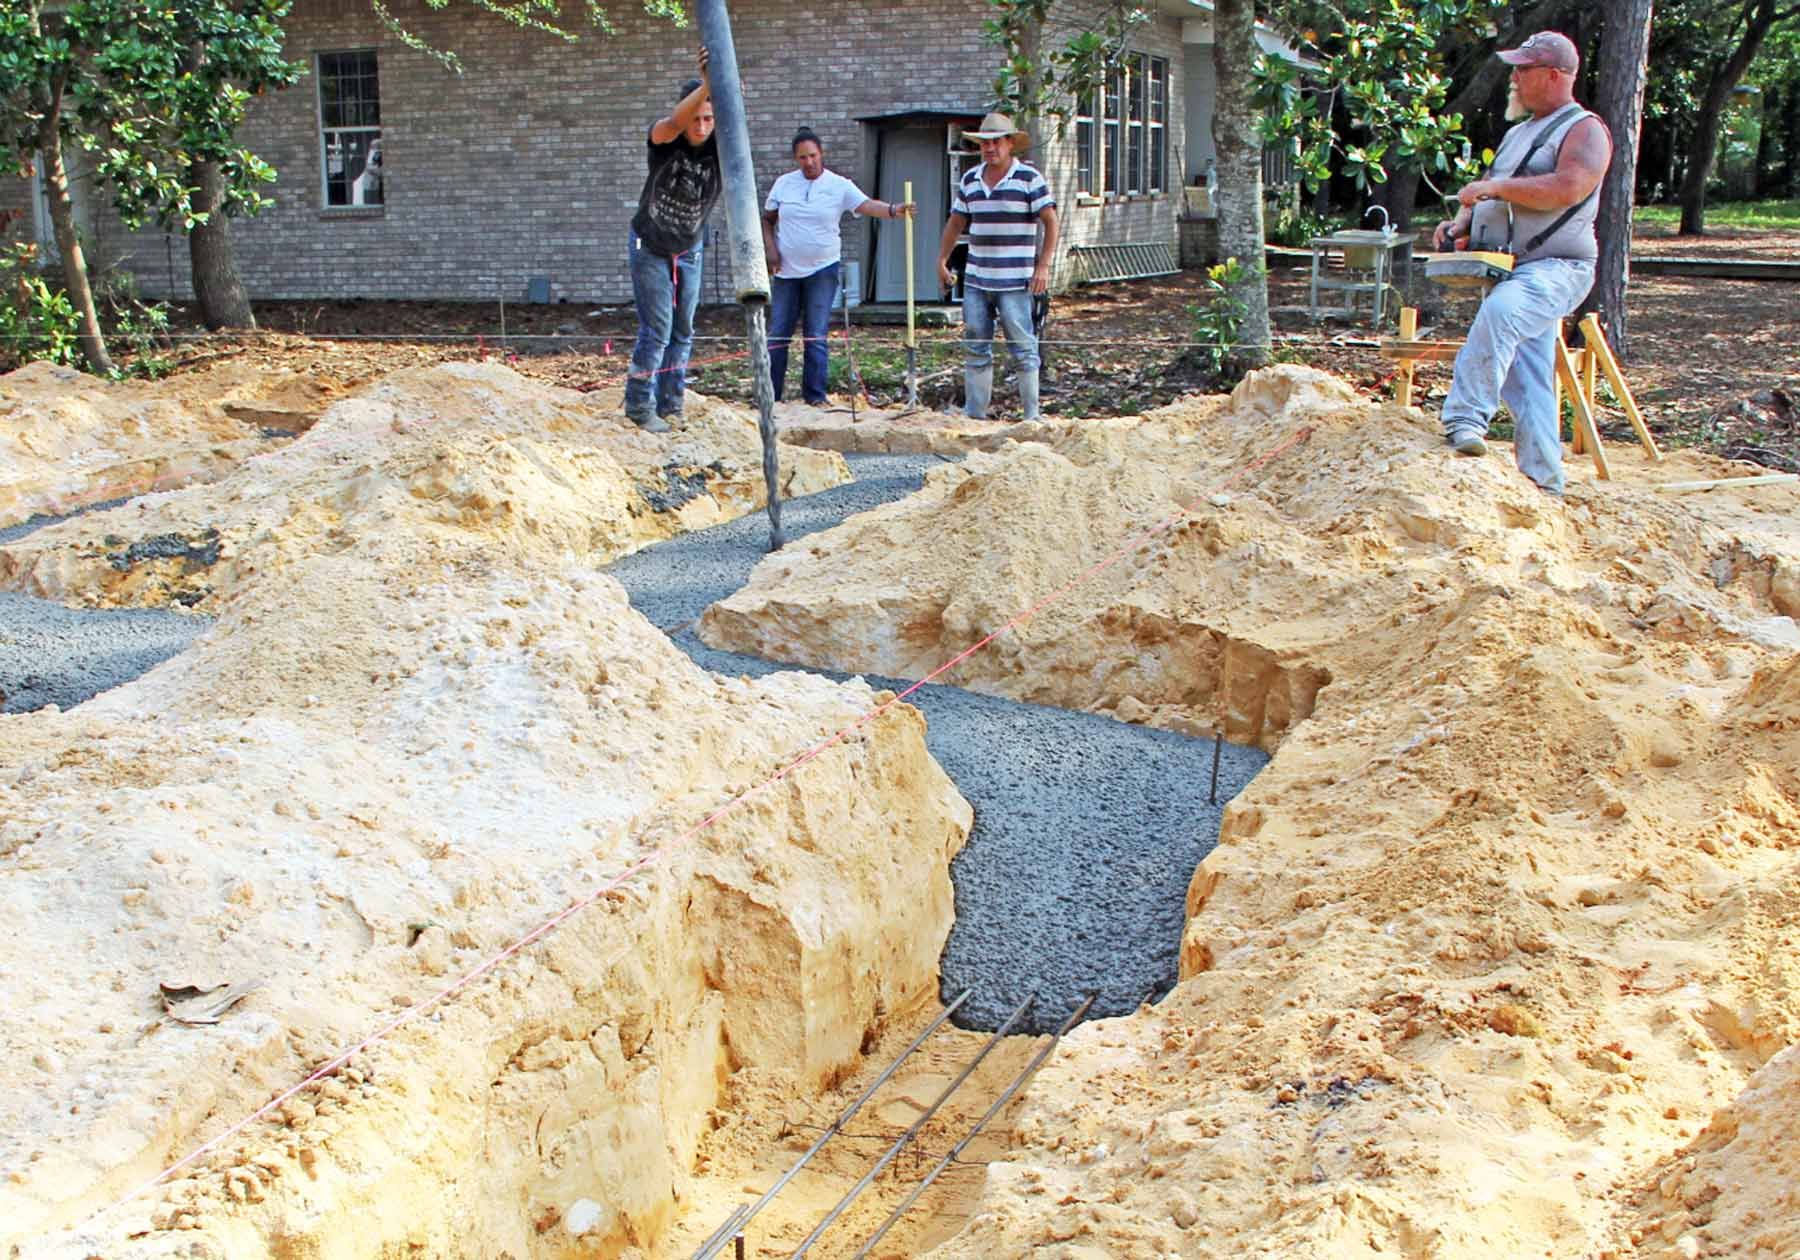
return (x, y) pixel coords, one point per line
(666, 291)
(1014, 309)
(1509, 356)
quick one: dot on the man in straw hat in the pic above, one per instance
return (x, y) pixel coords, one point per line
(1000, 204)
(1538, 201)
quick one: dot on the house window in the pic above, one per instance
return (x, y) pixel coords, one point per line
(1159, 124)
(1109, 128)
(1086, 172)
(1131, 115)
(1134, 131)
(350, 128)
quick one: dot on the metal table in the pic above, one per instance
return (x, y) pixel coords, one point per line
(1367, 266)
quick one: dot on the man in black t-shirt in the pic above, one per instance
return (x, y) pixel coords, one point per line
(679, 192)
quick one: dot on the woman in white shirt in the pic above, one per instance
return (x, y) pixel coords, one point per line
(801, 233)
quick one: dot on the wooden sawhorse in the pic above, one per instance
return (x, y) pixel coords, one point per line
(1577, 372)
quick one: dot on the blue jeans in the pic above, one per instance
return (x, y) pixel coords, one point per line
(806, 301)
(1013, 307)
(1510, 356)
(667, 291)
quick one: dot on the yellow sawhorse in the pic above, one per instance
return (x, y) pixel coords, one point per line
(1577, 372)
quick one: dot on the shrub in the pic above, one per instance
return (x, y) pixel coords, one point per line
(37, 321)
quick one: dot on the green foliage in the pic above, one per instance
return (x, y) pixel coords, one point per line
(1294, 225)
(1219, 319)
(1784, 215)
(544, 16)
(37, 320)
(1380, 60)
(1035, 82)
(148, 89)
(141, 327)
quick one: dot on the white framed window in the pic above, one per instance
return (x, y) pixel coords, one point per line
(1158, 134)
(1112, 150)
(1087, 167)
(349, 129)
(1124, 149)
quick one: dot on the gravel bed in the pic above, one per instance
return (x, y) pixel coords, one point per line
(1086, 832)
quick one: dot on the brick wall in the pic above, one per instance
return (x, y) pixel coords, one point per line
(529, 163)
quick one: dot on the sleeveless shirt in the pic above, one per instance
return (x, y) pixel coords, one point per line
(1574, 239)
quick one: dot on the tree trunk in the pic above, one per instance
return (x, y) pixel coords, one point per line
(1762, 174)
(1759, 16)
(1239, 162)
(1397, 196)
(1790, 143)
(68, 242)
(1624, 57)
(217, 289)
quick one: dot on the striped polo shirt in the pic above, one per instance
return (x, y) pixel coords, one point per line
(1003, 225)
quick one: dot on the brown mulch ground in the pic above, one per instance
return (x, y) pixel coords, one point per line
(1708, 358)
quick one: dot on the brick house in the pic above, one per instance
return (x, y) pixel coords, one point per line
(517, 178)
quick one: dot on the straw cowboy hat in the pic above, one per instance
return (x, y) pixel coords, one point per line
(1000, 127)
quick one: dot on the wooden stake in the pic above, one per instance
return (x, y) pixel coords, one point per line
(1690, 487)
(1584, 419)
(1597, 345)
(1590, 378)
(1403, 380)
(1556, 400)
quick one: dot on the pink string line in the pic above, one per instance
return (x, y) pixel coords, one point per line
(656, 856)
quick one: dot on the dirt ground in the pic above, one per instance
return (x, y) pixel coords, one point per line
(1706, 356)
(1496, 957)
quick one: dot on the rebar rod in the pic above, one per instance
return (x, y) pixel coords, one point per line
(720, 1236)
(1218, 749)
(1018, 1083)
(744, 1214)
(906, 1138)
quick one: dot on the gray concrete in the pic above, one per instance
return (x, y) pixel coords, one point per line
(1086, 830)
(55, 655)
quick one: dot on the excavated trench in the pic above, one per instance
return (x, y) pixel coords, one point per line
(1073, 882)
(1087, 830)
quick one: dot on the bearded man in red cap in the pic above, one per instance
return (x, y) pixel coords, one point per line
(1538, 202)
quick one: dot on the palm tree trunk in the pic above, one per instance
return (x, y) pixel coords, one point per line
(1624, 54)
(1239, 164)
(217, 289)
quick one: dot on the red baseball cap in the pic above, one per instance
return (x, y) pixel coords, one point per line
(1546, 48)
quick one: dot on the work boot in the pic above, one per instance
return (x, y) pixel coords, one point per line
(1467, 442)
(978, 387)
(1028, 395)
(651, 424)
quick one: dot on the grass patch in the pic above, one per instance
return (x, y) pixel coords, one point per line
(1744, 214)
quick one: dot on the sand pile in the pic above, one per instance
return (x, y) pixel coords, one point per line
(71, 440)
(1509, 920)
(421, 725)
(892, 431)
(449, 452)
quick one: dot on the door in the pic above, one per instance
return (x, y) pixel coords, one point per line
(916, 152)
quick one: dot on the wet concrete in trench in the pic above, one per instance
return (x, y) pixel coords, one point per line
(1087, 830)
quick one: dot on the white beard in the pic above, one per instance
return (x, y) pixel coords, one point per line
(1515, 110)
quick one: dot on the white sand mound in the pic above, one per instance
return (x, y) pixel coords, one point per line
(1509, 916)
(69, 440)
(461, 451)
(423, 724)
